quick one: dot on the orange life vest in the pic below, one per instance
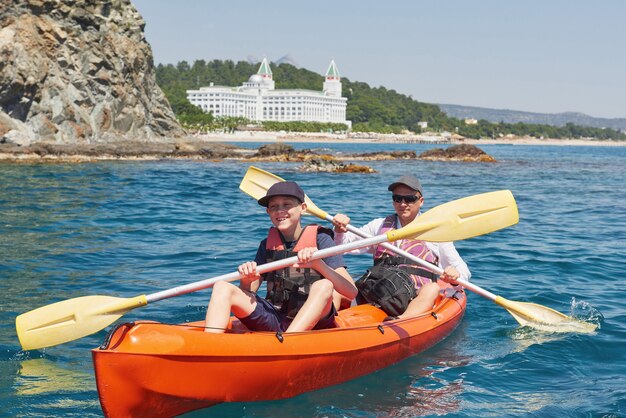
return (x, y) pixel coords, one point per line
(288, 289)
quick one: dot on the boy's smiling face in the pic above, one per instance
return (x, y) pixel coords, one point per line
(285, 213)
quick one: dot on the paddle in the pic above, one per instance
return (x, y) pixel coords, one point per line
(256, 182)
(75, 318)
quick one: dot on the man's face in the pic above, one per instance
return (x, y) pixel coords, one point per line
(285, 211)
(406, 210)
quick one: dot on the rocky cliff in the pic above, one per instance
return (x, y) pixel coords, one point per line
(78, 71)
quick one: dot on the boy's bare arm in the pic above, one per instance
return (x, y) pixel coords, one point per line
(341, 279)
(250, 279)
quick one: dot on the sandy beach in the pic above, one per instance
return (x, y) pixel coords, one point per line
(251, 136)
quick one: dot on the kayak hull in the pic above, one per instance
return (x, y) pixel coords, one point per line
(154, 369)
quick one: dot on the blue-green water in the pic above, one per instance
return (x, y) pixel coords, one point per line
(129, 228)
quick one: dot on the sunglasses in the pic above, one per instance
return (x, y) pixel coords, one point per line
(407, 198)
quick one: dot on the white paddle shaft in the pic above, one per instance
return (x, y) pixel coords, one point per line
(264, 268)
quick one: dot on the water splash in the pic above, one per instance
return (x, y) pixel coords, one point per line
(23, 355)
(584, 311)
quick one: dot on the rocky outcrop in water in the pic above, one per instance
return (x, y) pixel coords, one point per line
(182, 148)
(311, 160)
(76, 71)
(463, 152)
(385, 155)
(192, 148)
(274, 149)
(325, 163)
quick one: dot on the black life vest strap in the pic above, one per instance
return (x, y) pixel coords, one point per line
(407, 265)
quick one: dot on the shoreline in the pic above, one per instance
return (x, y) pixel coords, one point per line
(219, 147)
(271, 137)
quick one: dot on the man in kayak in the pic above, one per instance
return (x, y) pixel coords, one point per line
(407, 198)
(299, 297)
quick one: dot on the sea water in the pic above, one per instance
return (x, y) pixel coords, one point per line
(131, 228)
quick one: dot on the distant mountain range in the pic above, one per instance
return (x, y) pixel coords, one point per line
(285, 59)
(514, 116)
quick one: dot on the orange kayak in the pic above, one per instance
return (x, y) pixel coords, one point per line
(162, 370)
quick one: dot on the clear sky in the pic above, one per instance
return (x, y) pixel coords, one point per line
(533, 55)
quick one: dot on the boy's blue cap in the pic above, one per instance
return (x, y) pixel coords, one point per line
(282, 188)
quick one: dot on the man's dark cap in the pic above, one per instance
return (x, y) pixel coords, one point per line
(409, 181)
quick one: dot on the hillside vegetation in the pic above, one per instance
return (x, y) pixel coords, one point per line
(371, 109)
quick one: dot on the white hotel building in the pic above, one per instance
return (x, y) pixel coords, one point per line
(258, 100)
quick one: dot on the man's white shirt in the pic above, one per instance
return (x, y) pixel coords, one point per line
(445, 251)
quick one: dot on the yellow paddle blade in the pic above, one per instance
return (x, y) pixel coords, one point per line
(256, 182)
(71, 319)
(463, 218)
(543, 318)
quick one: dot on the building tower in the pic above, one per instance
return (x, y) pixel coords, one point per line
(266, 74)
(332, 85)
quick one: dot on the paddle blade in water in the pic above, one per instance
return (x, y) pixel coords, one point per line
(463, 218)
(543, 318)
(71, 319)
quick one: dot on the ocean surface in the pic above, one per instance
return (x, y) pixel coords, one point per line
(132, 228)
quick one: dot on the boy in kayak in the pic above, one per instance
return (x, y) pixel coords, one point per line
(299, 297)
(407, 197)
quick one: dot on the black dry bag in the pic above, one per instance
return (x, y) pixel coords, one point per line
(388, 287)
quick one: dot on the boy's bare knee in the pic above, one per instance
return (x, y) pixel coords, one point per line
(322, 288)
(222, 288)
